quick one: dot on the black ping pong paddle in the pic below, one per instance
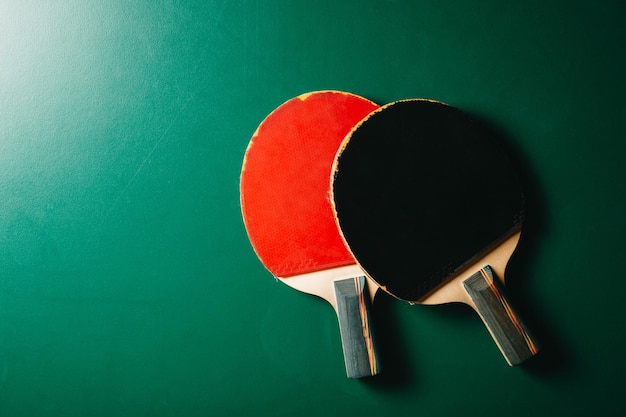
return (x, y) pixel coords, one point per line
(431, 208)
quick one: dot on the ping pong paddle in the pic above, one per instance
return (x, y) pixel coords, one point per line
(432, 210)
(285, 203)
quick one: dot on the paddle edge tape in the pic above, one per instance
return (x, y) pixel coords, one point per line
(300, 267)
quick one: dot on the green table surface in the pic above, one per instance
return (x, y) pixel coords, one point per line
(128, 286)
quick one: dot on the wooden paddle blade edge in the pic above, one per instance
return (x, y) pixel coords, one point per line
(353, 312)
(504, 324)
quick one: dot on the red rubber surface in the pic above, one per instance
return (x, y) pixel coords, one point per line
(285, 182)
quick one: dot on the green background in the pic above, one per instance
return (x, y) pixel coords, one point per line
(128, 286)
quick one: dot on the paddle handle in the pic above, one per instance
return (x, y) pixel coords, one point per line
(506, 328)
(353, 312)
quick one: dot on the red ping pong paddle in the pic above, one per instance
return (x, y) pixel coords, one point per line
(286, 209)
(432, 210)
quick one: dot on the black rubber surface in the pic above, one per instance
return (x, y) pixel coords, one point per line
(420, 190)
